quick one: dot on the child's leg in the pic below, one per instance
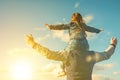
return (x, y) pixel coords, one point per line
(62, 67)
(62, 72)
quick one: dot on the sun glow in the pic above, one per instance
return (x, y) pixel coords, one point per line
(21, 71)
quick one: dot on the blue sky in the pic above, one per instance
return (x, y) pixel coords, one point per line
(19, 17)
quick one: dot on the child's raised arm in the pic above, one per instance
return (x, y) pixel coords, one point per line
(57, 27)
(92, 29)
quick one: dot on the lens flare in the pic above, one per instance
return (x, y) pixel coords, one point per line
(21, 71)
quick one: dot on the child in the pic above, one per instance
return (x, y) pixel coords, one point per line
(76, 28)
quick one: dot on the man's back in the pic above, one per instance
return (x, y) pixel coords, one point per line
(80, 65)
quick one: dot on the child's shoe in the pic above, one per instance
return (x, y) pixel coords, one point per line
(61, 74)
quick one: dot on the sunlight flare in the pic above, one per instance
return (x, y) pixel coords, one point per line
(21, 70)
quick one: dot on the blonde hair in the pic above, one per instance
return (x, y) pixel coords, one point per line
(79, 19)
(78, 16)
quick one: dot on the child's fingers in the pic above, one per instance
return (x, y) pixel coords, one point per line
(46, 24)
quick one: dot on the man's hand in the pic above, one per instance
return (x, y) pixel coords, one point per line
(29, 39)
(113, 41)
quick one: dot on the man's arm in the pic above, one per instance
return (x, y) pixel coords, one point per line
(57, 27)
(53, 55)
(49, 54)
(100, 56)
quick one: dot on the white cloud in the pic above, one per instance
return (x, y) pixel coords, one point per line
(101, 77)
(61, 34)
(55, 34)
(99, 67)
(76, 5)
(116, 73)
(108, 65)
(108, 33)
(39, 39)
(64, 19)
(91, 35)
(88, 18)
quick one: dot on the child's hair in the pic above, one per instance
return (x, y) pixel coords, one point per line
(79, 19)
(78, 16)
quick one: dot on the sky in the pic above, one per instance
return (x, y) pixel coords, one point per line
(19, 61)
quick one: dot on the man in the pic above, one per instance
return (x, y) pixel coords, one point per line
(79, 63)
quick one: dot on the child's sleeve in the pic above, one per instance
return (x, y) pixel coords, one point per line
(59, 27)
(91, 29)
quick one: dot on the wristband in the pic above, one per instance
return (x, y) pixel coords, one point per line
(113, 45)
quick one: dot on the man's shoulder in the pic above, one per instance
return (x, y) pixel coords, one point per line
(90, 52)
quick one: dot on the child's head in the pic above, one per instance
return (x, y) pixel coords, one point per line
(77, 17)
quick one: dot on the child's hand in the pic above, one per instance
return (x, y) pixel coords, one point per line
(47, 25)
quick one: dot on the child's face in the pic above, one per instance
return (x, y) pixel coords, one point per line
(74, 17)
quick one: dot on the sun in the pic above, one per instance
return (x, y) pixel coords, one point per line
(21, 70)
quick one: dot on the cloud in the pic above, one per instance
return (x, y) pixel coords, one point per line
(55, 34)
(76, 5)
(39, 39)
(91, 35)
(108, 33)
(101, 77)
(116, 73)
(88, 18)
(64, 19)
(99, 67)
(61, 34)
